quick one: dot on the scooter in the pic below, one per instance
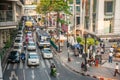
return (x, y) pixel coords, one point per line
(23, 58)
(53, 72)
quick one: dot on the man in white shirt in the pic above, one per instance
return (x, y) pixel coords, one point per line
(116, 69)
(111, 49)
(110, 57)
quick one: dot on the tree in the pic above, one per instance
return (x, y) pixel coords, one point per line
(56, 6)
(79, 39)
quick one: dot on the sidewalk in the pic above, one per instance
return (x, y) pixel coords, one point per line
(105, 71)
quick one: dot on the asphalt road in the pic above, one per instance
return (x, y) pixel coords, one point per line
(20, 71)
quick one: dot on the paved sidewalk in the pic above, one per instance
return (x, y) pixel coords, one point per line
(105, 71)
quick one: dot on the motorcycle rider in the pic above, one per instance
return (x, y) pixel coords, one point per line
(23, 56)
(53, 69)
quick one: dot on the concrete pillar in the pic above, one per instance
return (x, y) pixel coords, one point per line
(100, 17)
(5, 36)
(1, 74)
(1, 38)
(116, 28)
(14, 11)
(91, 16)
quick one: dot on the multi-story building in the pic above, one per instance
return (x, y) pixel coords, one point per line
(10, 14)
(107, 18)
(99, 17)
(29, 7)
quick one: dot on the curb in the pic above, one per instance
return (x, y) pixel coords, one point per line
(93, 76)
(83, 73)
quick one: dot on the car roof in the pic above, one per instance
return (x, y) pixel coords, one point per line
(32, 53)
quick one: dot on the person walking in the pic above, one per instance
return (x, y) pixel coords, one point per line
(111, 49)
(116, 69)
(110, 57)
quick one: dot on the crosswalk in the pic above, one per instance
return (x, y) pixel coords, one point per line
(43, 64)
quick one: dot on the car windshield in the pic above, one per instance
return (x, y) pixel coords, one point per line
(14, 53)
(31, 44)
(18, 41)
(16, 47)
(32, 56)
(46, 51)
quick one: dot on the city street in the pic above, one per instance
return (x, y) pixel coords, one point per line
(21, 71)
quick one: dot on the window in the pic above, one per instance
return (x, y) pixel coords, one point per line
(77, 1)
(78, 20)
(71, 8)
(108, 7)
(78, 8)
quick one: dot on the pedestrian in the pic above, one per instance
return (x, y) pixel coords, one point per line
(116, 69)
(111, 49)
(110, 57)
(82, 66)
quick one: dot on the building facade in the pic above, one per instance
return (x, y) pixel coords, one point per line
(10, 13)
(29, 7)
(107, 18)
(97, 17)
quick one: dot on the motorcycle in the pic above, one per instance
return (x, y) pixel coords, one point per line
(53, 72)
(23, 57)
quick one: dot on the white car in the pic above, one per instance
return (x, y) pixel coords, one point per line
(18, 48)
(31, 46)
(47, 53)
(20, 34)
(18, 42)
(33, 59)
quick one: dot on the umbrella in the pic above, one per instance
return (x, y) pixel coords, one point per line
(28, 24)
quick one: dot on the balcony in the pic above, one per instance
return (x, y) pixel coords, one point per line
(6, 19)
(8, 25)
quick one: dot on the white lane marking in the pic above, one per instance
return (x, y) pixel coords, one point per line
(33, 75)
(21, 65)
(24, 74)
(8, 66)
(47, 75)
(13, 75)
(43, 65)
(15, 66)
(47, 63)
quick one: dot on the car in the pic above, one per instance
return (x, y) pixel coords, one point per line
(47, 53)
(14, 57)
(33, 59)
(20, 33)
(43, 44)
(31, 46)
(29, 34)
(18, 42)
(18, 48)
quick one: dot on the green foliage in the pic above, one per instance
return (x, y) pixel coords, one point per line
(43, 7)
(90, 41)
(7, 44)
(53, 6)
(79, 39)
